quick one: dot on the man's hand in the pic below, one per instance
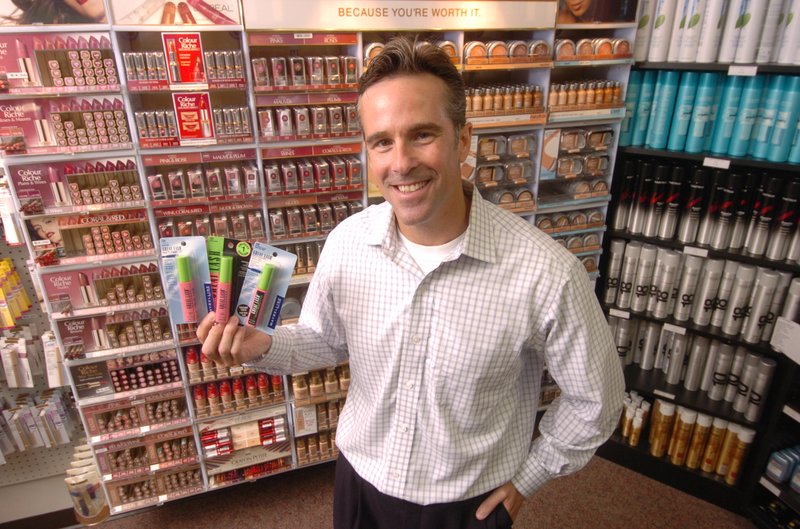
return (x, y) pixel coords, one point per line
(509, 495)
(231, 344)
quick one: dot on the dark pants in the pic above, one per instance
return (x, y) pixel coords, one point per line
(359, 505)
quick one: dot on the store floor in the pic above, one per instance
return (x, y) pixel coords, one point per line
(601, 496)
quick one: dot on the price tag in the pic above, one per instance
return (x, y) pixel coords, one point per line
(674, 328)
(144, 429)
(692, 250)
(716, 163)
(743, 70)
(107, 477)
(664, 394)
(786, 339)
(155, 467)
(767, 484)
(303, 35)
(791, 412)
(625, 315)
(162, 498)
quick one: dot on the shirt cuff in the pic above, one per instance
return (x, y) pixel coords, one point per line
(278, 358)
(531, 477)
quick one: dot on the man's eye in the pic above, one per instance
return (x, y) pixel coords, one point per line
(381, 144)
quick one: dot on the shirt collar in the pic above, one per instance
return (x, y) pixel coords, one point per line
(479, 242)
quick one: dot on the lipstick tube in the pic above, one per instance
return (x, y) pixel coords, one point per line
(260, 295)
(224, 286)
(168, 15)
(186, 289)
(186, 14)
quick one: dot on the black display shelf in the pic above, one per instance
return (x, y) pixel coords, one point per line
(735, 161)
(703, 485)
(783, 492)
(714, 254)
(717, 67)
(652, 382)
(709, 332)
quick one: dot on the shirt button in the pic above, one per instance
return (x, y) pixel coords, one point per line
(394, 475)
(404, 429)
(409, 385)
(415, 339)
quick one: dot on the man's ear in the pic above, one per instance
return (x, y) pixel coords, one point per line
(464, 136)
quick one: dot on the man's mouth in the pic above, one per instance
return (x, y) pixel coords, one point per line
(410, 188)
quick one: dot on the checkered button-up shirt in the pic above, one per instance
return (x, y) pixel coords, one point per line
(446, 367)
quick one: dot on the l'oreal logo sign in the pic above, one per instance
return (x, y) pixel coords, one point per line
(30, 175)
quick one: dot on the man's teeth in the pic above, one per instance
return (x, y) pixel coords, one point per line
(411, 188)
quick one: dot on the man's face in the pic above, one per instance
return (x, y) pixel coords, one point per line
(415, 155)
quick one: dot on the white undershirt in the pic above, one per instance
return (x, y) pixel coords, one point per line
(430, 257)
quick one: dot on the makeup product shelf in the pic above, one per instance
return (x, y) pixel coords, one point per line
(781, 491)
(593, 62)
(732, 69)
(713, 160)
(129, 395)
(141, 431)
(696, 483)
(702, 251)
(121, 352)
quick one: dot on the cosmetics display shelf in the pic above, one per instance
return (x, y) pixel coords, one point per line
(128, 395)
(54, 92)
(771, 514)
(507, 122)
(106, 309)
(582, 117)
(271, 468)
(507, 66)
(138, 432)
(713, 160)
(234, 417)
(597, 25)
(782, 491)
(120, 352)
(652, 382)
(707, 331)
(91, 208)
(155, 500)
(732, 69)
(697, 483)
(80, 263)
(220, 28)
(702, 251)
(593, 62)
(569, 205)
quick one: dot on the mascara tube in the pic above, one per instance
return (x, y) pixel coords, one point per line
(186, 289)
(629, 263)
(260, 295)
(224, 290)
(706, 291)
(724, 293)
(785, 223)
(656, 203)
(615, 258)
(692, 207)
(669, 221)
(760, 302)
(644, 278)
(740, 296)
(625, 202)
(692, 268)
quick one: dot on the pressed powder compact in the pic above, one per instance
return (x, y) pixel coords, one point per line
(565, 49)
(538, 50)
(475, 52)
(450, 48)
(371, 51)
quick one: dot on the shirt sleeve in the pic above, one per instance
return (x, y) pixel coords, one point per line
(582, 359)
(318, 339)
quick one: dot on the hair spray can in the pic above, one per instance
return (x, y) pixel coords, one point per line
(713, 19)
(629, 264)
(738, 303)
(692, 207)
(706, 292)
(616, 253)
(644, 278)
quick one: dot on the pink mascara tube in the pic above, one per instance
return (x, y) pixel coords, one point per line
(186, 288)
(224, 290)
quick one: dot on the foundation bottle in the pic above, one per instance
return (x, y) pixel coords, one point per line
(608, 92)
(617, 99)
(627, 419)
(702, 428)
(599, 94)
(468, 99)
(683, 434)
(728, 447)
(300, 387)
(344, 378)
(518, 99)
(315, 386)
(572, 94)
(562, 95)
(537, 97)
(742, 445)
(488, 100)
(527, 98)
(331, 382)
(477, 100)
(581, 94)
(552, 97)
(715, 438)
(590, 94)
(498, 99)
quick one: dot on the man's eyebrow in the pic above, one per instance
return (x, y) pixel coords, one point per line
(429, 126)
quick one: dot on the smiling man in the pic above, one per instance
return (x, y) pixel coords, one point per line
(447, 308)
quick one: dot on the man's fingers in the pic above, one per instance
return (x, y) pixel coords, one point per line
(490, 504)
(225, 344)
(236, 346)
(211, 342)
(205, 326)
